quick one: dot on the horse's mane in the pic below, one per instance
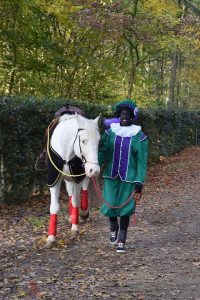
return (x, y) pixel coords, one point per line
(67, 117)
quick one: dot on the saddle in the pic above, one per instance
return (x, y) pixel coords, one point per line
(42, 160)
(75, 164)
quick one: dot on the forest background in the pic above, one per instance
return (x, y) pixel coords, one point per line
(92, 54)
(102, 51)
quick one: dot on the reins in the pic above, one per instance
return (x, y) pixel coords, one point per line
(137, 198)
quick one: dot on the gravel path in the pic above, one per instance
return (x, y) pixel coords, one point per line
(162, 261)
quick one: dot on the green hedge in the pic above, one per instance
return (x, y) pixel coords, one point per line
(23, 123)
(170, 131)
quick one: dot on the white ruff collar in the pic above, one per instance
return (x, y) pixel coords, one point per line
(125, 131)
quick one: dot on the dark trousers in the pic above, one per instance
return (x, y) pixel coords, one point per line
(122, 226)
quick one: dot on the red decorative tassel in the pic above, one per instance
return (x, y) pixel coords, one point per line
(84, 200)
(70, 205)
(53, 225)
(74, 215)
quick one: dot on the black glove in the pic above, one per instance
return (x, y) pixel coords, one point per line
(138, 187)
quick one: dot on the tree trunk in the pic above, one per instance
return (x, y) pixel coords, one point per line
(14, 49)
(13, 72)
(178, 85)
(131, 82)
(162, 81)
(2, 180)
(134, 63)
(172, 85)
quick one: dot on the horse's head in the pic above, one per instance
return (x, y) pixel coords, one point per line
(86, 145)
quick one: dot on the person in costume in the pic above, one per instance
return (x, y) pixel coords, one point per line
(123, 151)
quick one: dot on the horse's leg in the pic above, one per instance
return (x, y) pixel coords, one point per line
(54, 209)
(73, 190)
(84, 199)
(75, 205)
(69, 188)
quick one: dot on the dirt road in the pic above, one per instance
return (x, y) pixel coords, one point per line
(162, 261)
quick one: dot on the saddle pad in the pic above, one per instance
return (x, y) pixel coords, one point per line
(76, 167)
(53, 174)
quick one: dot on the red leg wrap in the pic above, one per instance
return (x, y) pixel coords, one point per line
(74, 215)
(53, 225)
(70, 205)
(84, 200)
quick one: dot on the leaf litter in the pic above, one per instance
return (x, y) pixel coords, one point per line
(163, 252)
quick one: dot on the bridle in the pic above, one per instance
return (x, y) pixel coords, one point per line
(79, 143)
(80, 149)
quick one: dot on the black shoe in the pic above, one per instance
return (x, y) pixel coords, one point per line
(113, 237)
(121, 247)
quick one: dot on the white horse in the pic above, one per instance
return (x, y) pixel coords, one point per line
(73, 136)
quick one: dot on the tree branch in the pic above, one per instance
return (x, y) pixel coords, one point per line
(195, 10)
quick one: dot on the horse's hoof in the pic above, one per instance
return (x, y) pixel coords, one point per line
(51, 241)
(50, 244)
(74, 230)
(84, 215)
(74, 234)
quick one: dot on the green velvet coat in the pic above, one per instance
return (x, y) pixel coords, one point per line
(124, 160)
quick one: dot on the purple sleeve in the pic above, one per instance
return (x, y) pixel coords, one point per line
(108, 122)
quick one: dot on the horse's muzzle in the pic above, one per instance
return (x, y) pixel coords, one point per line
(91, 169)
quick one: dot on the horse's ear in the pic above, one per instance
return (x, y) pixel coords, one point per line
(98, 120)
